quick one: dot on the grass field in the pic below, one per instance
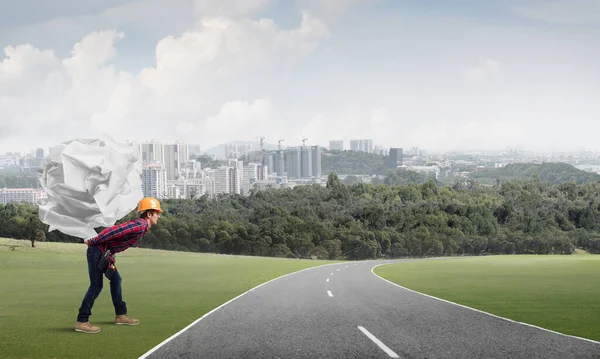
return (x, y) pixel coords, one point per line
(41, 290)
(559, 293)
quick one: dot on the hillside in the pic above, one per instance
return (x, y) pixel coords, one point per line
(554, 173)
(353, 163)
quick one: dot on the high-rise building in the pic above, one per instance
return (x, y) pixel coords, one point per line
(237, 176)
(396, 157)
(303, 162)
(252, 172)
(363, 145)
(316, 161)
(223, 180)
(337, 145)
(152, 152)
(293, 162)
(175, 155)
(210, 180)
(279, 163)
(154, 180)
(269, 161)
(306, 162)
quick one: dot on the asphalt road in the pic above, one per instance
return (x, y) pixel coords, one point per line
(345, 311)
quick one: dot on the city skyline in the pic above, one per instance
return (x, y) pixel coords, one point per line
(443, 76)
(216, 150)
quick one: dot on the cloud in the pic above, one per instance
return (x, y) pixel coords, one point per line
(562, 11)
(223, 71)
(230, 45)
(240, 119)
(194, 85)
(235, 119)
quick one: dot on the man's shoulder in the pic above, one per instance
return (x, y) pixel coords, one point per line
(136, 223)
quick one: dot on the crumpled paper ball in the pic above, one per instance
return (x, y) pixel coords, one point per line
(90, 183)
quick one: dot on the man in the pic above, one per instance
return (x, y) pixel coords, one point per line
(114, 239)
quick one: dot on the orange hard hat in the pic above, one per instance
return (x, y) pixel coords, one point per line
(149, 203)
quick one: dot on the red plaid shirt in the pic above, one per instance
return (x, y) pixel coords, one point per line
(121, 236)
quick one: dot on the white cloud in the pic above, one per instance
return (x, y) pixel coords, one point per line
(234, 74)
(180, 94)
(229, 44)
(236, 119)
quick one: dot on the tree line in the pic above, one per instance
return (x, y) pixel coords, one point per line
(364, 221)
(554, 173)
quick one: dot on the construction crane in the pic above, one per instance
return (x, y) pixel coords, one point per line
(279, 144)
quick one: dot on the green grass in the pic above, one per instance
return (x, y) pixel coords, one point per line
(41, 290)
(559, 293)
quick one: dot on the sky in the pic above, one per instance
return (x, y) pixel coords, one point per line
(438, 75)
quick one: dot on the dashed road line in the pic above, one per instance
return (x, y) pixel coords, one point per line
(379, 343)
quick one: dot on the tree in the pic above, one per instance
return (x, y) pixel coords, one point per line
(35, 228)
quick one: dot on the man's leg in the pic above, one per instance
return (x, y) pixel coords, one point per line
(96, 282)
(116, 293)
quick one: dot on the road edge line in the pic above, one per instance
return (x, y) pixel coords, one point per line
(480, 311)
(158, 346)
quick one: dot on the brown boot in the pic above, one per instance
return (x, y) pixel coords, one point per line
(86, 327)
(126, 320)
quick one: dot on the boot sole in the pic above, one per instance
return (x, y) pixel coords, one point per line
(86, 331)
(127, 323)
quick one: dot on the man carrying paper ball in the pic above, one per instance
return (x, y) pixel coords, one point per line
(101, 261)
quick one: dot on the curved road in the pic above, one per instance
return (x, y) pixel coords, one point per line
(346, 311)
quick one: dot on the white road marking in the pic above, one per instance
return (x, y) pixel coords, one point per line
(346, 267)
(480, 311)
(338, 270)
(379, 343)
(331, 273)
(327, 280)
(148, 353)
(329, 293)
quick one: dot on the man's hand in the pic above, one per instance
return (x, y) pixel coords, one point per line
(87, 242)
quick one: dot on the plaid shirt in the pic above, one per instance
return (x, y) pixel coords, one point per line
(121, 236)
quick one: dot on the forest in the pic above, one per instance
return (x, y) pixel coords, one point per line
(364, 221)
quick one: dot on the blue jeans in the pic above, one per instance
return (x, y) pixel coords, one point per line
(94, 254)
